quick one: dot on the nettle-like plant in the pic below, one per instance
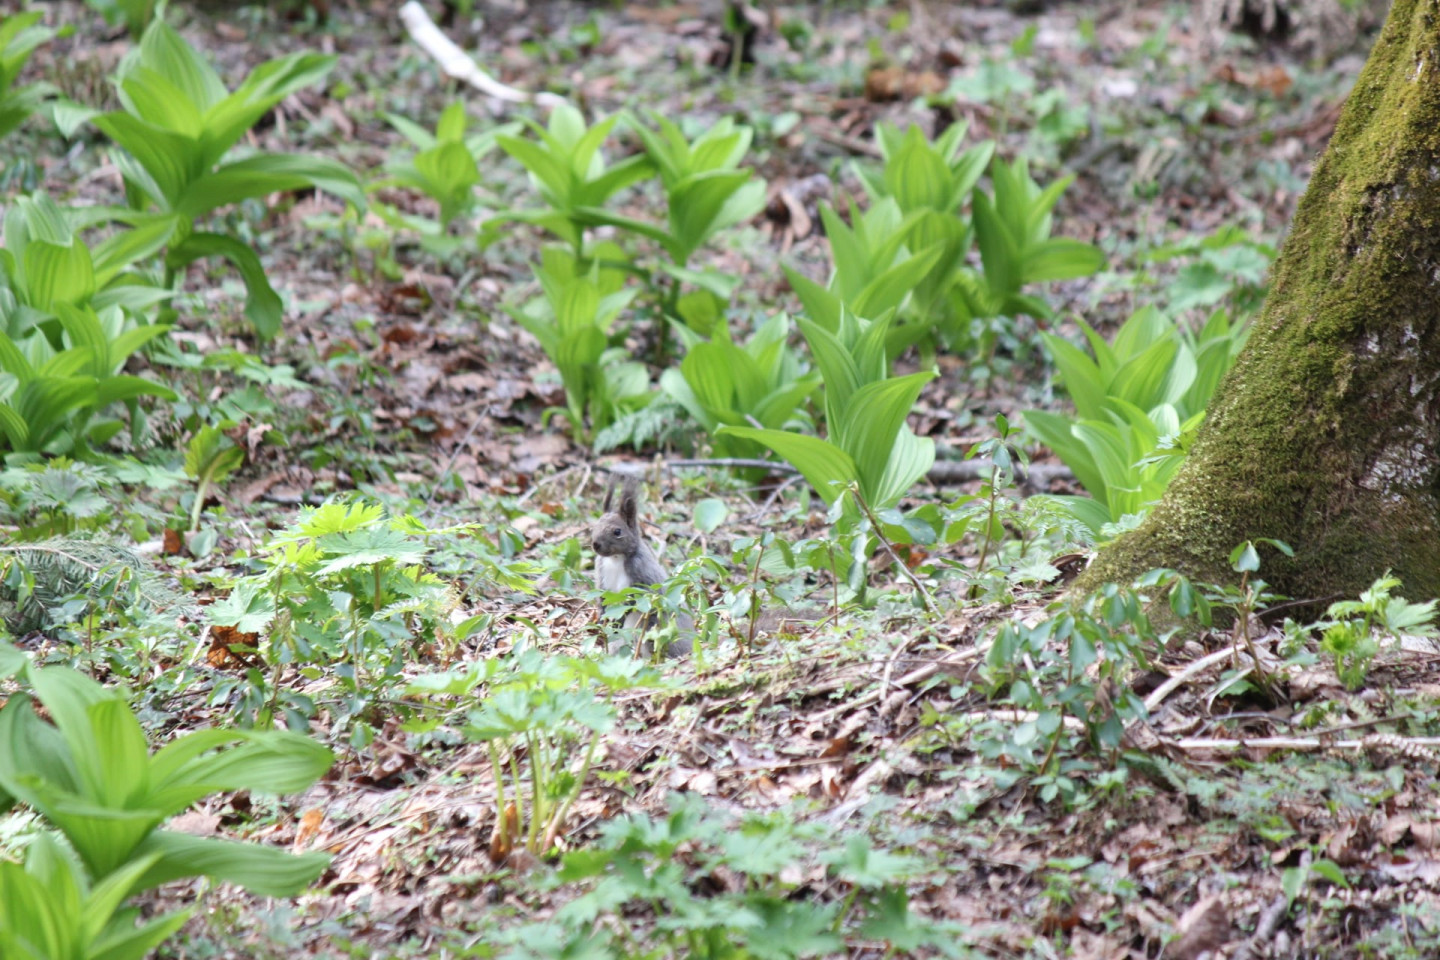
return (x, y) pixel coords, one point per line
(345, 586)
(1138, 404)
(19, 38)
(445, 168)
(1071, 672)
(722, 384)
(178, 123)
(541, 718)
(636, 871)
(1352, 629)
(92, 777)
(573, 322)
(869, 445)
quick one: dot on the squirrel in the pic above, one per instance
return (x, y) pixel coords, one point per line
(623, 559)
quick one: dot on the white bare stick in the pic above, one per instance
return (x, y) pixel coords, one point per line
(1198, 744)
(1196, 667)
(458, 64)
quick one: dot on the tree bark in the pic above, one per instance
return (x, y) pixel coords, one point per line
(1326, 434)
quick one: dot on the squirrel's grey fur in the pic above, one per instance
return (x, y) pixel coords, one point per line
(623, 559)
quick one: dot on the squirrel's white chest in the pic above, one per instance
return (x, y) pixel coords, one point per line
(610, 572)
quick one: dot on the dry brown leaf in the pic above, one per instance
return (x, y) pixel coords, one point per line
(1204, 927)
(310, 823)
(232, 649)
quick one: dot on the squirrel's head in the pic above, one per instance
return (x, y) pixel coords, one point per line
(617, 532)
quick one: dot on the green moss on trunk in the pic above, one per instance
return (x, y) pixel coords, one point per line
(1326, 434)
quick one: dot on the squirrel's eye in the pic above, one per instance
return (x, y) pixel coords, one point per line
(615, 532)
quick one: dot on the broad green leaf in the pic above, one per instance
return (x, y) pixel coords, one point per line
(227, 120)
(871, 421)
(169, 159)
(166, 52)
(820, 305)
(827, 468)
(999, 251)
(917, 176)
(709, 514)
(1060, 259)
(888, 290)
(911, 458)
(1141, 379)
(1082, 379)
(1054, 431)
(263, 871)
(265, 173)
(262, 304)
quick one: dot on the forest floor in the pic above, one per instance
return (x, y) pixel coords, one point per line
(400, 375)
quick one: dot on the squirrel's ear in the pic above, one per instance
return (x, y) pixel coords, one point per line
(629, 505)
(609, 495)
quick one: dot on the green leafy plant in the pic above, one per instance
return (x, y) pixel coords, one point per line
(45, 263)
(135, 14)
(1228, 268)
(1138, 404)
(345, 586)
(49, 395)
(1352, 629)
(875, 272)
(1071, 673)
(706, 190)
(92, 777)
(567, 166)
(210, 457)
(869, 444)
(722, 384)
(19, 37)
(573, 323)
(1016, 248)
(56, 497)
(930, 185)
(541, 719)
(49, 910)
(176, 127)
(445, 168)
(639, 866)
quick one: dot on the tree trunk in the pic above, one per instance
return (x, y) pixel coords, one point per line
(1326, 434)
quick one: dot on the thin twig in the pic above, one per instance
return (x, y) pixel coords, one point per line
(774, 495)
(925, 599)
(455, 454)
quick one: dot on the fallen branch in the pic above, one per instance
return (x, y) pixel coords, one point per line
(460, 65)
(1304, 744)
(1159, 694)
(1037, 475)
